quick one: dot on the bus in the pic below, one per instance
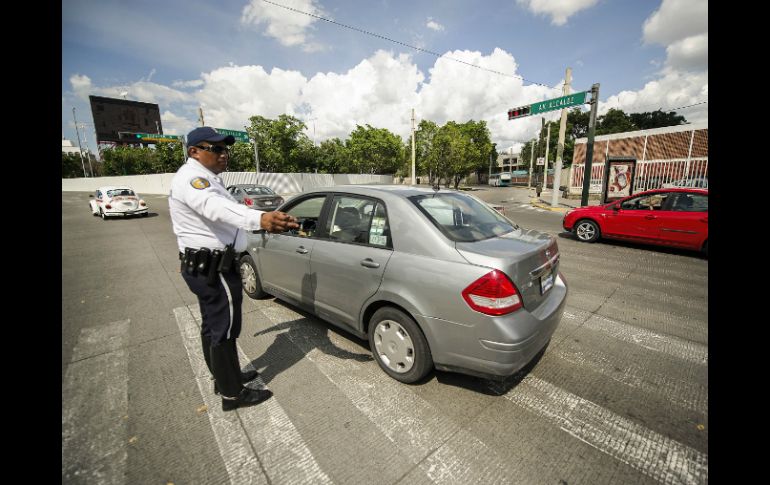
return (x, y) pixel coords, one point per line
(502, 179)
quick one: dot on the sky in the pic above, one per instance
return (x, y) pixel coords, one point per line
(336, 64)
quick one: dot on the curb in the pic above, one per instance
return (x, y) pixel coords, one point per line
(541, 205)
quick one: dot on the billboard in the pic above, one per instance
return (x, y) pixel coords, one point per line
(113, 116)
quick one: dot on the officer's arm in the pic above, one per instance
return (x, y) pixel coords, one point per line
(216, 207)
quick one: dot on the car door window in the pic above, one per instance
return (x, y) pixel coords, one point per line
(308, 214)
(691, 203)
(637, 203)
(358, 220)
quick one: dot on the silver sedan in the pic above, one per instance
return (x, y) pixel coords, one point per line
(432, 278)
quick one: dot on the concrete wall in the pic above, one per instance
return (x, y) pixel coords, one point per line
(281, 183)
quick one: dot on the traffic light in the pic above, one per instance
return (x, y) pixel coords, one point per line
(518, 112)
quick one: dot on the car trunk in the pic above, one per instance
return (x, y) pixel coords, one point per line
(526, 257)
(125, 203)
(266, 200)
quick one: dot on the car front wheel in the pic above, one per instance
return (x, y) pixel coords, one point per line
(587, 231)
(399, 345)
(250, 278)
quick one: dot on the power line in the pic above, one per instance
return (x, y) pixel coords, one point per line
(407, 45)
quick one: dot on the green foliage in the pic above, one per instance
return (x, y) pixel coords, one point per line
(656, 119)
(375, 150)
(71, 165)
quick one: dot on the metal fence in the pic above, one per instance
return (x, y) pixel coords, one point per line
(650, 174)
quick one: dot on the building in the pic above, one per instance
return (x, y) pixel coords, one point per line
(662, 155)
(68, 147)
(508, 162)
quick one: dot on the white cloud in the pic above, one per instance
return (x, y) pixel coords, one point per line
(188, 84)
(81, 85)
(559, 10)
(676, 20)
(288, 27)
(673, 90)
(433, 25)
(174, 124)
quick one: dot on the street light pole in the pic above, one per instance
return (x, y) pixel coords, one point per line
(80, 148)
(88, 150)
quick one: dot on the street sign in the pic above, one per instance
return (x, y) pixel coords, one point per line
(540, 161)
(239, 135)
(151, 137)
(559, 103)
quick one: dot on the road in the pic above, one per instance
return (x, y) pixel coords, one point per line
(619, 396)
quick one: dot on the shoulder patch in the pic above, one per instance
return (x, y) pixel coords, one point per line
(200, 183)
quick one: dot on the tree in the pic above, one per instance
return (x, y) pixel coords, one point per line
(480, 149)
(375, 150)
(334, 157)
(614, 121)
(71, 166)
(282, 143)
(423, 144)
(242, 158)
(656, 119)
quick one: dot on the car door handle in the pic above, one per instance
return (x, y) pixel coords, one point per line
(650, 217)
(369, 263)
(302, 250)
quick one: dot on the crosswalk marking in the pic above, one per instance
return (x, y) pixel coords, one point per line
(667, 344)
(94, 404)
(653, 454)
(280, 454)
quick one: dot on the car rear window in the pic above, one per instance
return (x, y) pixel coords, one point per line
(462, 218)
(116, 192)
(258, 191)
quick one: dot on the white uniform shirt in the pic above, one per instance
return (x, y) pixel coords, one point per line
(204, 214)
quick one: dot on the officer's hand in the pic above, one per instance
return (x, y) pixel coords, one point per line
(277, 221)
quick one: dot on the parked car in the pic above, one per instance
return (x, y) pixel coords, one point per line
(667, 217)
(117, 201)
(432, 278)
(256, 196)
(694, 182)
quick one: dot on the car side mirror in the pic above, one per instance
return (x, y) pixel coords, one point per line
(616, 207)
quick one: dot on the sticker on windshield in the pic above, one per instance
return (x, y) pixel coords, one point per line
(200, 183)
(378, 226)
(378, 240)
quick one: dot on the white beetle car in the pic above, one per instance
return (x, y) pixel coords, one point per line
(117, 201)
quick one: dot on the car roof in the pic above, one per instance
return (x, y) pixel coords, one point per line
(384, 191)
(115, 187)
(248, 185)
(675, 189)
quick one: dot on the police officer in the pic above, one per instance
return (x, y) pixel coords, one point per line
(210, 227)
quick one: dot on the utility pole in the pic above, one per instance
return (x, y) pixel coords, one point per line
(88, 150)
(200, 115)
(80, 148)
(414, 180)
(256, 151)
(545, 167)
(490, 168)
(590, 144)
(531, 163)
(560, 146)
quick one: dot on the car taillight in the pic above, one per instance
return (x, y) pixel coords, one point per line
(493, 294)
(142, 203)
(248, 201)
(107, 206)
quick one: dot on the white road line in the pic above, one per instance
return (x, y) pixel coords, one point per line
(666, 344)
(94, 407)
(653, 454)
(264, 441)
(425, 436)
(683, 393)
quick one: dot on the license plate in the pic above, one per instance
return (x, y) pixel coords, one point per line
(268, 202)
(546, 282)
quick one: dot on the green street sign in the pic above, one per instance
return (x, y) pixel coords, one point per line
(153, 137)
(239, 135)
(558, 103)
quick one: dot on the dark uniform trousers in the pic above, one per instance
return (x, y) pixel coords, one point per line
(220, 307)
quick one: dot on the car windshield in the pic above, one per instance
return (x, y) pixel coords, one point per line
(116, 192)
(258, 191)
(462, 218)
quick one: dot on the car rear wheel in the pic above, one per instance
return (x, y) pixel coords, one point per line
(250, 278)
(587, 231)
(399, 345)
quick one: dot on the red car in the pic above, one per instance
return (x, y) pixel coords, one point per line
(665, 217)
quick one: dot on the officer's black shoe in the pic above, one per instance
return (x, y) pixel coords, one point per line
(247, 397)
(247, 376)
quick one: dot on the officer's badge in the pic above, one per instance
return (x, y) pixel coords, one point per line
(200, 183)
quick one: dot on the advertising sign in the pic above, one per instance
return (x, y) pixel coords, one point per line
(619, 178)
